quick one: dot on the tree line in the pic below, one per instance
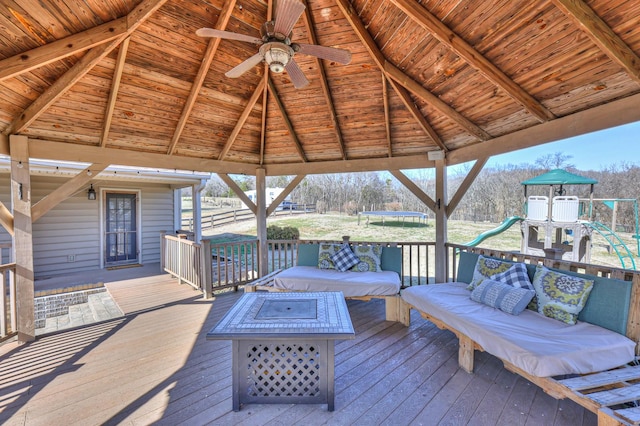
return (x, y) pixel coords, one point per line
(496, 194)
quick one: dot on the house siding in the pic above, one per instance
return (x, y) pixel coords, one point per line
(5, 198)
(72, 228)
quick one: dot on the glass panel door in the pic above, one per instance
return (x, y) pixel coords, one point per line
(120, 228)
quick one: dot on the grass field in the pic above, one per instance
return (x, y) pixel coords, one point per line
(334, 226)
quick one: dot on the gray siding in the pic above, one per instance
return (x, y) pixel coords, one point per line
(5, 198)
(157, 216)
(72, 228)
(69, 229)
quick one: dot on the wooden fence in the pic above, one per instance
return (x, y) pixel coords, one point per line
(8, 309)
(232, 216)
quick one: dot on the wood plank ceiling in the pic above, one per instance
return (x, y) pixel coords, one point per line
(129, 82)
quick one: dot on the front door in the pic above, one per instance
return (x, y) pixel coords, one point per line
(121, 233)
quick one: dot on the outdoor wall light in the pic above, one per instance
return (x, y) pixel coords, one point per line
(91, 193)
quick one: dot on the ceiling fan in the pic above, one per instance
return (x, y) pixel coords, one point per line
(276, 48)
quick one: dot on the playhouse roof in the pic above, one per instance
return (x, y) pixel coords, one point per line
(559, 177)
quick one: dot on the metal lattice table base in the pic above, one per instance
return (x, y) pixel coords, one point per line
(283, 371)
(283, 346)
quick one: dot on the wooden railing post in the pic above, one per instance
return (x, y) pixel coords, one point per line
(163, 249)
(206, 269)
(3, 305)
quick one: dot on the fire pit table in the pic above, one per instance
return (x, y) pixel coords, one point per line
(283, 346)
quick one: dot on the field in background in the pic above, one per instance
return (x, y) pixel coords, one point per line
(334, 226)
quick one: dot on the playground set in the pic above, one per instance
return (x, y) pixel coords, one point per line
(561, 226)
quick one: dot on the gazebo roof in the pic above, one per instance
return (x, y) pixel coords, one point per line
(560, 177)
(128, 82)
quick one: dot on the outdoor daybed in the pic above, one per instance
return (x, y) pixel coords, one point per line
(531, 344)
(376, 275)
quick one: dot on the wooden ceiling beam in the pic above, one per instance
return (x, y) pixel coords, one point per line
(605, 116)
(287, 121)
(387, 114)
(243, 118)
(358, 27)
(134, 19)
(6, 219)
(418, 161)
(417, 89)
(238, 191)
(263, 123)
(209, 54)
(466, 183)
(64, 151)
(59, 49)
(602, 35)
(396, 74)
(414, 189)
(417, 115)
(308, 22)
(65, 191)
(60, 87)
(113, 94)
(440, 31)
(615, 113)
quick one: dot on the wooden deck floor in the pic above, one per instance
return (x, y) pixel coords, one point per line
(155, 366)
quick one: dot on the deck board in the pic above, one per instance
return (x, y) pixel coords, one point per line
(154, 365)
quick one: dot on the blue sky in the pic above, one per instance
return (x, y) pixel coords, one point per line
(594, 151)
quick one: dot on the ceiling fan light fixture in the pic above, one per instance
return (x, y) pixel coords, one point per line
(277, 56)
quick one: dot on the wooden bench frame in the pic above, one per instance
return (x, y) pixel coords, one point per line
(609, 384)
(391, 303)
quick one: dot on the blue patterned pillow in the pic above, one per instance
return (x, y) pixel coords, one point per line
(485, 268)
(369, 258)
(324, 255)
(512, 300)
(516, 276)
(344, 259)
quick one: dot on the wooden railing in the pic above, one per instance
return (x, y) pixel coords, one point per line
(183, 259)
(8, 310)
(210, 267)
(584, 268)
(418, 259)
(233, 264)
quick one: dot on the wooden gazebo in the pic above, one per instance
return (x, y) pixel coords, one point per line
(430, 84)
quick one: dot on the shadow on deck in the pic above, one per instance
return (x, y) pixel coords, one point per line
(154, 366)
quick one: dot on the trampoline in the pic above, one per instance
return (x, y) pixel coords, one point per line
(397, 215)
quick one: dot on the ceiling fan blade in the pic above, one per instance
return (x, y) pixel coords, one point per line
(245, 66)
(341, 56)
(296, 75)
(210, 32)
(287, 14)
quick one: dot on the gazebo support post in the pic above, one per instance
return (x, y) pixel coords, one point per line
(441, 221)
(23, 237)
(261, 221)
